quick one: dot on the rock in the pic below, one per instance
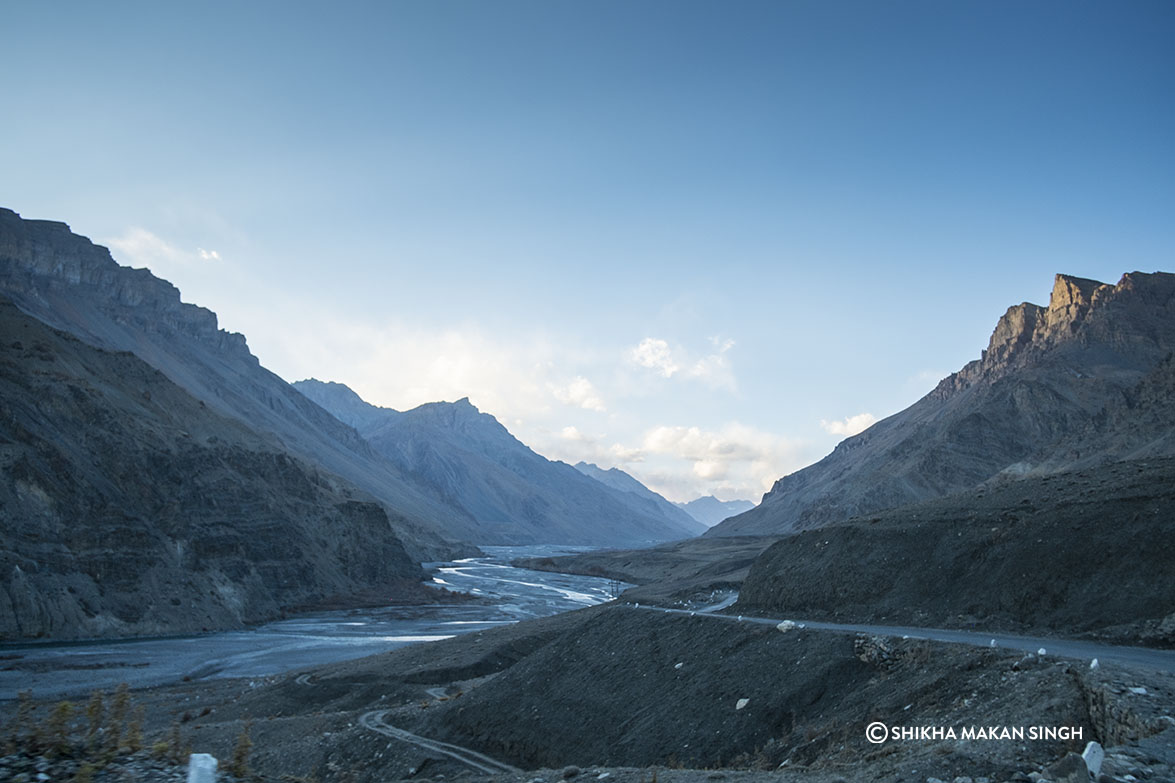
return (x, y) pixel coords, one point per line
(1093, 664)
(1071, 769)
(570, 772)
(1138, 691)
(1041, 652)
(1024, 662)
(1094, 755)
(677, 665)
(741, 703)
(785, 626)
(201, 768)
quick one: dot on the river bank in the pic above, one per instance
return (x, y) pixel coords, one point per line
(501, 594)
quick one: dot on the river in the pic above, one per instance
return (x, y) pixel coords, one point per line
(51, 670)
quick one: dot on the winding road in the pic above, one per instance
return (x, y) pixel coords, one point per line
(1162, 660)
(374, 721)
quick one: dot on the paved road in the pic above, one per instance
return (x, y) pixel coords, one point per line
(374, 720)
(1162, 660)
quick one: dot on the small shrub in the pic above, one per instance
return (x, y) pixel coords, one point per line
(119, 707)
(22, 730)
(95, 712)
(239, 764)
(175, 744)
(134, 732)
(57, 729)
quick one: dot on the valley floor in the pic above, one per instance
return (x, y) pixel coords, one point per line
(614, 693)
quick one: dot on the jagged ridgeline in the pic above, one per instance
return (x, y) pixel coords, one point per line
(1072, 385)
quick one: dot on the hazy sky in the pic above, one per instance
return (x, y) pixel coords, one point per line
(699, 241)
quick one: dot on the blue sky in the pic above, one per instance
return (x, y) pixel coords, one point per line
(699, 241)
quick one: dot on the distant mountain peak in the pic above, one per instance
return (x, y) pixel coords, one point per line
(514, 494)
(709, 510)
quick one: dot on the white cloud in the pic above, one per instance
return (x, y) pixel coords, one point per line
(579, 393)
(626, 454)
(710, 469)
(573, 434)
(138, 247)
(745, 461)
(713, 368)
(850, 425)
(656, 355)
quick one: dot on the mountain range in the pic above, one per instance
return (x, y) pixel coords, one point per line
(620, 481)
(514, 495)
(709, 510)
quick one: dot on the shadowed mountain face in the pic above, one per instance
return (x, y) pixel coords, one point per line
(710, 510)
(73, 285)
(1042, 398)
(1065, 553)
(516, 495)
(128, 507)
(642, 496)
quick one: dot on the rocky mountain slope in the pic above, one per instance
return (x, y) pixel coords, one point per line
(73, 285)
(1087, 551)
(129, 507)
(709, 510)
(620, 481)
(1038, 400)
(515, 495)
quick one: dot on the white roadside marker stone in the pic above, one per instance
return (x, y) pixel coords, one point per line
(201, 768)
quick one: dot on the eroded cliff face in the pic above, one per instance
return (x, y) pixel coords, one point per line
(128, 507)
(1028, 404)
(41, 260)
(1135, 318)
